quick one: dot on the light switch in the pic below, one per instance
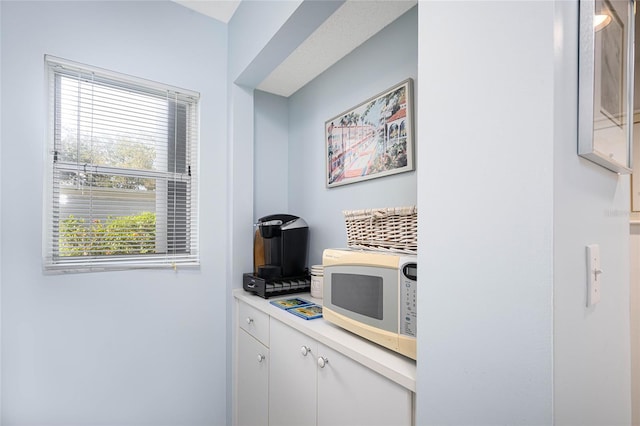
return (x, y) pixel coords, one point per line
(594, 273)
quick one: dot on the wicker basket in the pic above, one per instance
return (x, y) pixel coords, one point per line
(389, 229)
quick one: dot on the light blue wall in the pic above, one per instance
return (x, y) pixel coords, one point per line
(260, 161)
(0, 220)
(271, 180)
(261, 19)
(591, 361)
(486, 187)
(388, 58)
(261, 35)
(118, 348)
(262, 51)
(504, 328)
(506, 209)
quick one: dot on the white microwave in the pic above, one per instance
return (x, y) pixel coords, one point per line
(372, 294)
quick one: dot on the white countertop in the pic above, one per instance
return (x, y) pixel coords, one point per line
(389, 364)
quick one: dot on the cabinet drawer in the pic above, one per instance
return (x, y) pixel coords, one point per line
(254, 322)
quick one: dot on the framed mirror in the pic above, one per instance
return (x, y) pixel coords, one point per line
(605, 85)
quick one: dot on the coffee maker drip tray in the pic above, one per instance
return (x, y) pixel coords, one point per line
(275, 287)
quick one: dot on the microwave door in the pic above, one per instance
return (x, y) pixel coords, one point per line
(365, 294)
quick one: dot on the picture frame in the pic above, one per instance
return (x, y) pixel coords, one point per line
(373, 139)
(605, 84)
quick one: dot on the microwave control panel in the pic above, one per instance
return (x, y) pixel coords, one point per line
(408, 306)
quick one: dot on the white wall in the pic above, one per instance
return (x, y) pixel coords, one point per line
(591, 205)
(485, 197)
(118, 348)
(350, 81)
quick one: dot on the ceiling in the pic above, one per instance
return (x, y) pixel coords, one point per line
(222, 10)
(351, 25)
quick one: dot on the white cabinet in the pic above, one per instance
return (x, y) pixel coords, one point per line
(253, 380)
(252, 357)
(312, 384)
(351, 394)
(292, 389)
(289, 371)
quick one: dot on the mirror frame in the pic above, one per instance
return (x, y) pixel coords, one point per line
(588, 71)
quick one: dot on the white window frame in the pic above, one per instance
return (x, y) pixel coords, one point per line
(186, 105)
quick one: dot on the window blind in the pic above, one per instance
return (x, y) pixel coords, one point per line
(121, 185)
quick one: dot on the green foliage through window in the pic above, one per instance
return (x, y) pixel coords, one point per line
(121, 235)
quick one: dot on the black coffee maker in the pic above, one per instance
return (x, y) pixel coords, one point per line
(280, 251)
(280, 246)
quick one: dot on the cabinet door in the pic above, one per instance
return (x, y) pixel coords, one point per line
(253, 381)
(292, 381)
(351, 394)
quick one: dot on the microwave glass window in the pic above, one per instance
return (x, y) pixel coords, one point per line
(358, 293)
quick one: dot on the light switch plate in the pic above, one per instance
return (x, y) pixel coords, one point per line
(594, 273)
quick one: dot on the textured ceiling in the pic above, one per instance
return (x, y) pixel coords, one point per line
(222, 10)
(350, 26)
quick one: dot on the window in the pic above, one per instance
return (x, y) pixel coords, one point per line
(121, 185)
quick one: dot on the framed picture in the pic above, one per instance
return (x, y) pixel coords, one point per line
(605, 83)
(373, 139)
